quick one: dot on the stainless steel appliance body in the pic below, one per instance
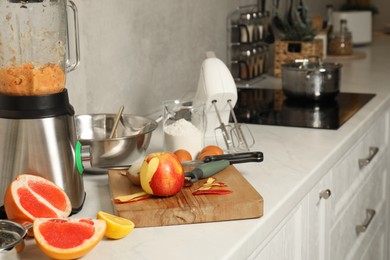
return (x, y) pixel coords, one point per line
(40, 141)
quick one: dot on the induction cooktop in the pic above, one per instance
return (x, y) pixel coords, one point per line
(271, 107)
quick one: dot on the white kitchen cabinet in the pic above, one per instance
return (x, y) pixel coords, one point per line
(367, 208)
(345, 215)
(359, 186)
(286, 241)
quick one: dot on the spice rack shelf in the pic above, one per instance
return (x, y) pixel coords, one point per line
(247, 51)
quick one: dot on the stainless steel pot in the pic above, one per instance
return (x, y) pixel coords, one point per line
(309, 79)
(99, 151)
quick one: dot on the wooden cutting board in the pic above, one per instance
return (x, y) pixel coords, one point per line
(185, 208)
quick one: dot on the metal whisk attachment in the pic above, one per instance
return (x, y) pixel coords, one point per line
(239, 141)
(222, 129)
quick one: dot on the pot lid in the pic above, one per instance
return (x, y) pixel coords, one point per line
(312, 63)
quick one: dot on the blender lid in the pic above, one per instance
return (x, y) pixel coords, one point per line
(35, 107)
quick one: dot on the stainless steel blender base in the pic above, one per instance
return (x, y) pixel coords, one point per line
(38, 137)
(43, 147)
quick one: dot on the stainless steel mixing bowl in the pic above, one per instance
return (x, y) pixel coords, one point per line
(129, 143)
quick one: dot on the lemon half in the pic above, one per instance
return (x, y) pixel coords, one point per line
(117, 227)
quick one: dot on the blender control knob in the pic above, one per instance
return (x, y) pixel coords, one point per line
(83, 157)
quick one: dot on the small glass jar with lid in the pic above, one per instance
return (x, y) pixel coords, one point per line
(341, 41)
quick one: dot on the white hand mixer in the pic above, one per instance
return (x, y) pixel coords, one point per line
(218, 91)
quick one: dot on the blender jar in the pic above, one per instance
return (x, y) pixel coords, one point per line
(34, 46)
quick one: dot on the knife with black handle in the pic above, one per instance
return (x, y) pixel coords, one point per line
(237, 157)
(233, 158)
(216, 163)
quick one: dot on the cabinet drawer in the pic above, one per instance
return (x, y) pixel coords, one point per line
(347, 175)
(371, 195)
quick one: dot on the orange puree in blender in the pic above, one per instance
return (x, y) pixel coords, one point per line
(27, 80)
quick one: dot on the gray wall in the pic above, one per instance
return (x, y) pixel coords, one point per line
(139, 53)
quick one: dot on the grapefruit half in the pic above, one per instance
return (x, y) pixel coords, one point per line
(61, 238)
(30, 196)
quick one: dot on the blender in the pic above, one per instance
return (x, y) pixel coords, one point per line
(37, 129)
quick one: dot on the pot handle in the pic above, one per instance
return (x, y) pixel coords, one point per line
(316, 58)
(316, 73)
(313, 58)
(73, 66)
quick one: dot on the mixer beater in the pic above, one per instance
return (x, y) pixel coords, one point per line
(217, 89)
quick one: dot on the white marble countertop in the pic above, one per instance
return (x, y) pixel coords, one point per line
(295, 160)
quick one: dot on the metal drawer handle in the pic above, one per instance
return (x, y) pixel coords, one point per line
(372, 152)
(325, 194)
(370, 215)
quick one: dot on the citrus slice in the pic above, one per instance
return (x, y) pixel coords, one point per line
(117, 227)
(61, 238)
(30, 196)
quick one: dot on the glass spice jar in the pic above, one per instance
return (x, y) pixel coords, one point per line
(341, 41)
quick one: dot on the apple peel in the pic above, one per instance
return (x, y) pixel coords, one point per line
(212, 192)
(206, 188)
(131, 198)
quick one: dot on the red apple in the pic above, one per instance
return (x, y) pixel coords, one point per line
(162, 174)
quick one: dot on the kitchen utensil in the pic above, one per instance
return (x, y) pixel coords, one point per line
(12, 237)
(237, 157)
(313, 80)
(34, 46)
(98, 151)
(237, 132)
(276, 23)
(38, 136)
(290, 18)
(117, 119)
(222, 130)
(206, 170)
(136, 130)
(232, 158)
(269, 33)
(184, 208)
(215, 87)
